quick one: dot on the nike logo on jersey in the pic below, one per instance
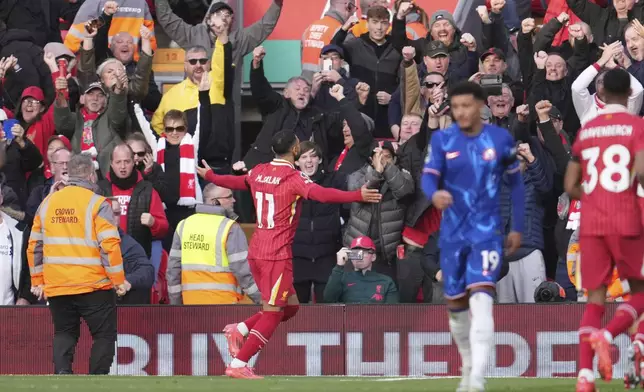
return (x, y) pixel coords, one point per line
(452, 155)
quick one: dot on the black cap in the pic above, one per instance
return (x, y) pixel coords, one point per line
(436, 48)
(493, 51)
(332, 48)
(555, 113)
(219, 6)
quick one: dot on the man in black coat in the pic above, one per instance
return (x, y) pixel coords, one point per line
(295, 111)
(30, 69)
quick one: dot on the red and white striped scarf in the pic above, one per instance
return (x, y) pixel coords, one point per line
(189, 190)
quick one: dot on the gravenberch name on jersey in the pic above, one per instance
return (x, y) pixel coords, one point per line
(268, 180)
(606, 131)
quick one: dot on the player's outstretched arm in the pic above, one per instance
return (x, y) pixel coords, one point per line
(330, 195)
(237, 183)
(572, 180)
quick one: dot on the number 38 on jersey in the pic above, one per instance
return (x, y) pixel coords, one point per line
(615, 175)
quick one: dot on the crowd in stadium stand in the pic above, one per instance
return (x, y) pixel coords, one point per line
(77, 78)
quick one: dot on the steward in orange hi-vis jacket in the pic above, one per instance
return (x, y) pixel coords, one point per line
(75, 262)
(618, 290)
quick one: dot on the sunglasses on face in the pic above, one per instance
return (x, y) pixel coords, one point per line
(200, 61)
(431, 85)
(141, 154)
(180, 128)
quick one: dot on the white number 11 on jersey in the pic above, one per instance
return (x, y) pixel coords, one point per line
(260, 197)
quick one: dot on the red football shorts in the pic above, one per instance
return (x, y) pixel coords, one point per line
(274, 280)
(600, 254)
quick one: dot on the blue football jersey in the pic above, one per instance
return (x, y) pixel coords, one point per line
(470, 168)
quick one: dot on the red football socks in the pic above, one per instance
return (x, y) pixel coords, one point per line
(252, 320)
(590, 322)
(626, 315)
(290, 311)
(260, 334)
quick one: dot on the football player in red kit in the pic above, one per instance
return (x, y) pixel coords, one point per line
(607, 150)
(277, 189)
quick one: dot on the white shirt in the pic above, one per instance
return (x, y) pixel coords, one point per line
(587, 105)
(6, 266)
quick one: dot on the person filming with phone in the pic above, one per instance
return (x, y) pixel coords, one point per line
(359, 284)
(333, 70)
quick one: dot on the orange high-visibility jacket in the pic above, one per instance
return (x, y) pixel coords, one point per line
(75, 247)
(315, 37)
(617, 289)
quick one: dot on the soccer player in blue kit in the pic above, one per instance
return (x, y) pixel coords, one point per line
(462, 176)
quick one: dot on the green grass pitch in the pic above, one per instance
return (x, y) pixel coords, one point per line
(286, 384)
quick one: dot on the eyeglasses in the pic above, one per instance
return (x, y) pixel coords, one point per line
(351, 6)
(224, 14)
(141, 154)
(31, 101)
(431, 85)
(200, 61)
(179, 129)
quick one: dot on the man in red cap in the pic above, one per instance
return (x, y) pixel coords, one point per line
(361, 285)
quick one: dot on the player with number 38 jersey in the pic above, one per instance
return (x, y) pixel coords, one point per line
(607, 154)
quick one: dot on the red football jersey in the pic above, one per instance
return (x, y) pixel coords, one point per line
(277, 189)
(606, 148)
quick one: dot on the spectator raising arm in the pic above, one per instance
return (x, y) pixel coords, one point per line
(243, 40)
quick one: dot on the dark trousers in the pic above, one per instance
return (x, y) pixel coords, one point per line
(303, 291)
(98, 309)
(414, 273)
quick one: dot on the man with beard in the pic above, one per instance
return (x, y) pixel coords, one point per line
(461, 48)
(293, 111)
(185, 95)
(587, 105)
(141, 214)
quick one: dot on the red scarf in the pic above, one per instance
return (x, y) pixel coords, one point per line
(87, 139)
(341, 158)
(188, 180)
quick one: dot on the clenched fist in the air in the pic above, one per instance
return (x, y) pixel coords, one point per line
(409, 52)
(543, 110)
(362, 89)
(484, 14)
(527, 25)
(337, 92)
(258, 55)
(404, 9)
(469, 42)
(496, 6)
(540, 59)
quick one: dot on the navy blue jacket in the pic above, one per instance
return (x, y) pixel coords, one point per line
(537, 179)
(139, 271)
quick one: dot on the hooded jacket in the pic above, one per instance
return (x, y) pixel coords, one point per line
(30, 70)
(244, 41)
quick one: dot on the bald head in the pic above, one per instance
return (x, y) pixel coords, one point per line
(123, 47)
(217, 195)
